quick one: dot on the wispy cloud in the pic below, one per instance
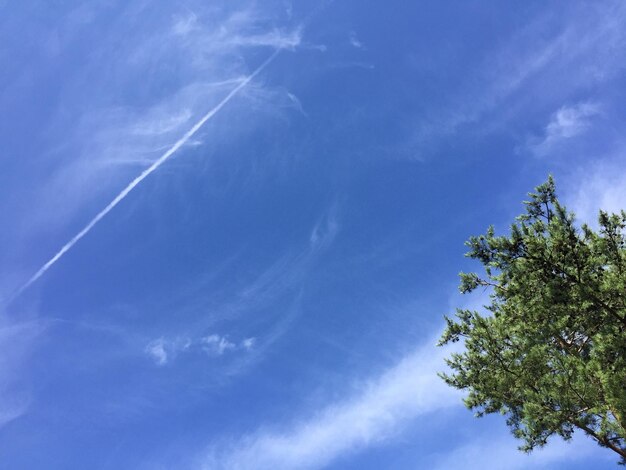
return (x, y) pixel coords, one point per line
(325, 230)
(377, 413)
(237, 29)
(601, 184)
(164, 350)
(495, 453)
(217, 345)
(161, 123)
(354, 41)
(276, 38)
(156, 349)
(279, 284)
(566, 123)
(248, 343)
(206, 46)
(17, 341)
(539, 65)
(144, 174)
(570, 121)
(296, 103)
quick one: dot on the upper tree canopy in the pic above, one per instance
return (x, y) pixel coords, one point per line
(551, 354)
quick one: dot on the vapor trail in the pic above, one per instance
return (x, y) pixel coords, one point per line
(142, 176)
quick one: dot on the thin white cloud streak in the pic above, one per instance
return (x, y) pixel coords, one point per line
(401, 394)
(296, 103)
(145, 174)
(274, 38)
(325, 231)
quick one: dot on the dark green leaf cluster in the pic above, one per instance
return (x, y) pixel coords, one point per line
(550, 353)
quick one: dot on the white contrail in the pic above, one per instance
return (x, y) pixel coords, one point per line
(143, 175)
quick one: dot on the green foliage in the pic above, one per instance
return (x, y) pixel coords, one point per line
(550, 354)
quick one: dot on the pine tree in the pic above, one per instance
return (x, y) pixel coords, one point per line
(550, 352)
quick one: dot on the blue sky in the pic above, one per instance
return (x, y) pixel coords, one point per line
(269, 293)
